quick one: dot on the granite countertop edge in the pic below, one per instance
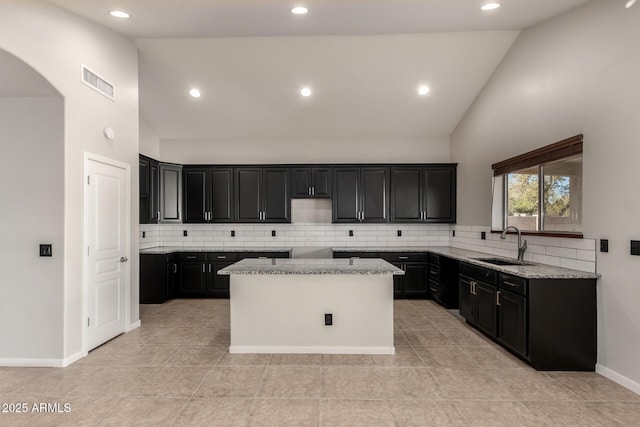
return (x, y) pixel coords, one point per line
(532, 271)
(173, 249)
(311, 267)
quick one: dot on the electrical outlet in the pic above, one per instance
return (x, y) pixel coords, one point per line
(453, 233)
(635, 247)
(604, 245)
(144, 234)
(273, 233)
(233, 233)
(483, 235)
(350, 233)
(328, 319)
(46, 250)
(399, 233)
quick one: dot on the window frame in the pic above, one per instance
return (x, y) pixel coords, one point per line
(566, 148)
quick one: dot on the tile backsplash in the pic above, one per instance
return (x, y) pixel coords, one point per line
(578, 254)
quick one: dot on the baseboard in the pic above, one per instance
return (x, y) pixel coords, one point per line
(73, 358)
(618, 378)
(134, 325)
(310, 349)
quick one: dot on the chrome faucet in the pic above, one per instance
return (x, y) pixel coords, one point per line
(522, 247)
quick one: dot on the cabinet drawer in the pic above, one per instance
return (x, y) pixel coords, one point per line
(355, 255)
(512, 283)
(479, 273)
(404, 256)
(434, 272)
(244, 255)
(192, 256)
(223, 256)
(434, 259)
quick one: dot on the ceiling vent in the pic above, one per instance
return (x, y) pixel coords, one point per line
(97, 83)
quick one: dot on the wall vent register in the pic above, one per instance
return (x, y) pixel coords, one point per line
(97, 83)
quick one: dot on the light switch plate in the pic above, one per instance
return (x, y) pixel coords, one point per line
(604, 245)
(46, 250)
(635, 247)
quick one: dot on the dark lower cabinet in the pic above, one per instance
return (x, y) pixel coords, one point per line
(443, 280)
(193, 279)
(158, 274)
(548, 323)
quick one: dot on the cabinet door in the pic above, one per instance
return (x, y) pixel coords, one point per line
(248, 192)
(194, 194)
(512, 321)
(375, 194)
(485, 308)
(321, 182)
(154, 192)
(143, 170)
(301, 182)
(398, 283)
(406, 195)
(170, 193)
(152, 278)
(466, 298)
(345, 198)
(192, 278)
(440, 194)
(218, 285)
(221, 194)
(415, 280)
(277, 199)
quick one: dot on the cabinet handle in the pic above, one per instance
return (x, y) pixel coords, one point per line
(209, 268)
(175, 268)
(510, 284)
(473, 287)
(222, 257)
(498, 298)
(158, 213)
(313, 191)
(433, 273)
(203, 268)
(204, 215)
(191, 257)
(263, 257)
(309, 191)
(403, 257)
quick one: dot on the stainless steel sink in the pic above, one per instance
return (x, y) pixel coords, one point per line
(503, 261)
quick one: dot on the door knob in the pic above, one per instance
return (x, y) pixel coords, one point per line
(124, 259)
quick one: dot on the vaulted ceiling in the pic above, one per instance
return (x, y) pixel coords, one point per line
(363, 60)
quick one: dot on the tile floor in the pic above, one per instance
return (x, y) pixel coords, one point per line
(175, 371)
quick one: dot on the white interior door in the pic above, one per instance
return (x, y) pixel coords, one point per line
(107, 262)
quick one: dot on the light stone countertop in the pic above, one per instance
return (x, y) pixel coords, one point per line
(172, 249)
(529, 271)
(311, 266)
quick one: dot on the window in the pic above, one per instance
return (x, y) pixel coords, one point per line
(541, 191)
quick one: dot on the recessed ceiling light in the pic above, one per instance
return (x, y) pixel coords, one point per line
(423, 90)
(630, 3)
(490, 6)
(305, 91)
(119, 14)
(195, 93)
(299, 10)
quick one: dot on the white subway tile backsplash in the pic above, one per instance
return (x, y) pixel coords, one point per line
(562, 252)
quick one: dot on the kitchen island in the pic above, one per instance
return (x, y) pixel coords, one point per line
(325, 306)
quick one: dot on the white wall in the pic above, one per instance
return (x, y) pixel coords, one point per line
(32, 194)
(577, 73)
(55, 43)
(149, 141)
(307, 150)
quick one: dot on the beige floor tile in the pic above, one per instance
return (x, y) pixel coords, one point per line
(350, 382)
(412, 322)
(625, 413)
(11, 378)
(528, 384)
(281, 413)
(242, 381)
(228, 359)
(447, 322)
(404, 308)
(427, 337)
(58, 382)
(144, 412)
(408, 383)
(214, 412)
(399, 338)
(591, 386)
(291, 381)
(474, 383)
(493, 357)
(295, 360)
(345, 360)
(191, 336)
(405, 356)
(583, 414)
(420, 413)
(467, 337)
(445, 357)
(351, 413)
(131, 355)
(197, 355)
(143, 382)
(491, 413)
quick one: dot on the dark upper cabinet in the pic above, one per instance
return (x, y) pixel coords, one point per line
(361, 194)
(308, 182)
(170, 193)
(263, 195)
(149, 191)
(423, 194)
(207, 194)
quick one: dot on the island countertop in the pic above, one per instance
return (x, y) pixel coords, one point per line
(311, 267)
